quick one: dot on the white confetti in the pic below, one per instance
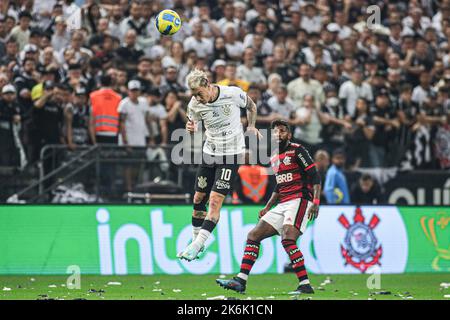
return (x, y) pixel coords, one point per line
(447, 296)
(270, 297)
(222, 276)
(157, 282)
(52, 286)
(112, 283)
(445, 285)
(176, 290)
(157, 290)
(216, 298)
(203, 294)
(6, 289)
(32, 279)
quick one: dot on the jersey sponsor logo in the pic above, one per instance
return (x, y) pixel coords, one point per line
(286, 177)
(302, 159)
(360, 248)
(220, 185)
(202, 182)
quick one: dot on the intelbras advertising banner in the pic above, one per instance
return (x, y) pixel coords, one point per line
(145, 240)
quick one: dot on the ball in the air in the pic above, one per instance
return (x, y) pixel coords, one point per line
(168, 22)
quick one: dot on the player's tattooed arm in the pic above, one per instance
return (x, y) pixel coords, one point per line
(251, 117)
(251, 112)
(273, 199)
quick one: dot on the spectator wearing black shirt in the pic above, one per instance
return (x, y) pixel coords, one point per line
(386, 125)
(9, 120)
(359, 137)
(76, 119)
(128, 54)
(24, 83)
(170, 83)
(11, 51)
(365, 191)
(417, 61)
(176, 114)
(407, 111)
(143, 74)
(48, 117)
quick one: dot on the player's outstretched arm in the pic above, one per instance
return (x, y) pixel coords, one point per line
(273, 199)
(251, 117)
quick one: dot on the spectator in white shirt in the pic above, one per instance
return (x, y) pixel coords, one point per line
(248, 72)
(311, 20)
(422, 91)
(197, 42)
(228, 18)
(234, 48)
(281, 103)
(303, 85)
(353, 89)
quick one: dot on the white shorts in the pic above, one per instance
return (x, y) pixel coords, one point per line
(293, 212)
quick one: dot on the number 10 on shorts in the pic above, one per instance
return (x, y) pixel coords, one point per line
(226, 174)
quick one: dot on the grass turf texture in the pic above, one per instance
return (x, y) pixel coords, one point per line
(342, 287)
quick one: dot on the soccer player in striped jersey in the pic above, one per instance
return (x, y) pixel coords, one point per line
(297, 195)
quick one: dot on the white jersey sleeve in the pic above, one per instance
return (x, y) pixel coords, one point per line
(240, 97)
(192, 110)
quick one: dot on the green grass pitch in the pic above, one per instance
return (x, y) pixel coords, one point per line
(341, 287)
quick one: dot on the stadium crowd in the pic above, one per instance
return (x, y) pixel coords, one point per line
(377, 89)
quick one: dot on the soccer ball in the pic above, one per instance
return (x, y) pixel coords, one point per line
(168, 22)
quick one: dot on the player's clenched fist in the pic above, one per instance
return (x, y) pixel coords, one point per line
(190, 126)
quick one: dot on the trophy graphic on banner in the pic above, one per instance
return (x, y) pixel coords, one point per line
(436, 229)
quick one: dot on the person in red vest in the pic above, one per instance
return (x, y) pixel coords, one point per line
(104, 121)
(253, 184)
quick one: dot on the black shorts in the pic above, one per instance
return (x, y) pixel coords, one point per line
(218, 176)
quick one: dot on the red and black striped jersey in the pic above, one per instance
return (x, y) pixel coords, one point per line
(294, 169)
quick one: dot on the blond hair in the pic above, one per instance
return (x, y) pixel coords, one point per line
(197, 78)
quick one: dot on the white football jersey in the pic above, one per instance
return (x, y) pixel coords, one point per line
(222, 121)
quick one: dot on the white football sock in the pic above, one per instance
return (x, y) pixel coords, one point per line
(306, 281)
(243, 276)
(195, 231)
(202, 236)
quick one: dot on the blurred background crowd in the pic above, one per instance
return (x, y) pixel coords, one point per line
(375, 93)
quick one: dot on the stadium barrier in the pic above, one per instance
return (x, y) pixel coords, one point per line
(139, 239)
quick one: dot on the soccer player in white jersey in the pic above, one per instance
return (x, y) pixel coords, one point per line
(219, 108)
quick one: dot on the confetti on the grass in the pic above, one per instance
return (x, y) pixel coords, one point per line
(52, 286)
(222, 276)
(216, 298)
(157, 290)
(447, 296)
(112, 283)
(445, 285)
(6, 289)
(157, 282)
(203, 294)
(32, 279)
(176, 290)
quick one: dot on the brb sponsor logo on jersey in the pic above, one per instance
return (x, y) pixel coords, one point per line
(360, 248)
(286, 177)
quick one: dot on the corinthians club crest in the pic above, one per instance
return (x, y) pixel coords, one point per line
(360, 244)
